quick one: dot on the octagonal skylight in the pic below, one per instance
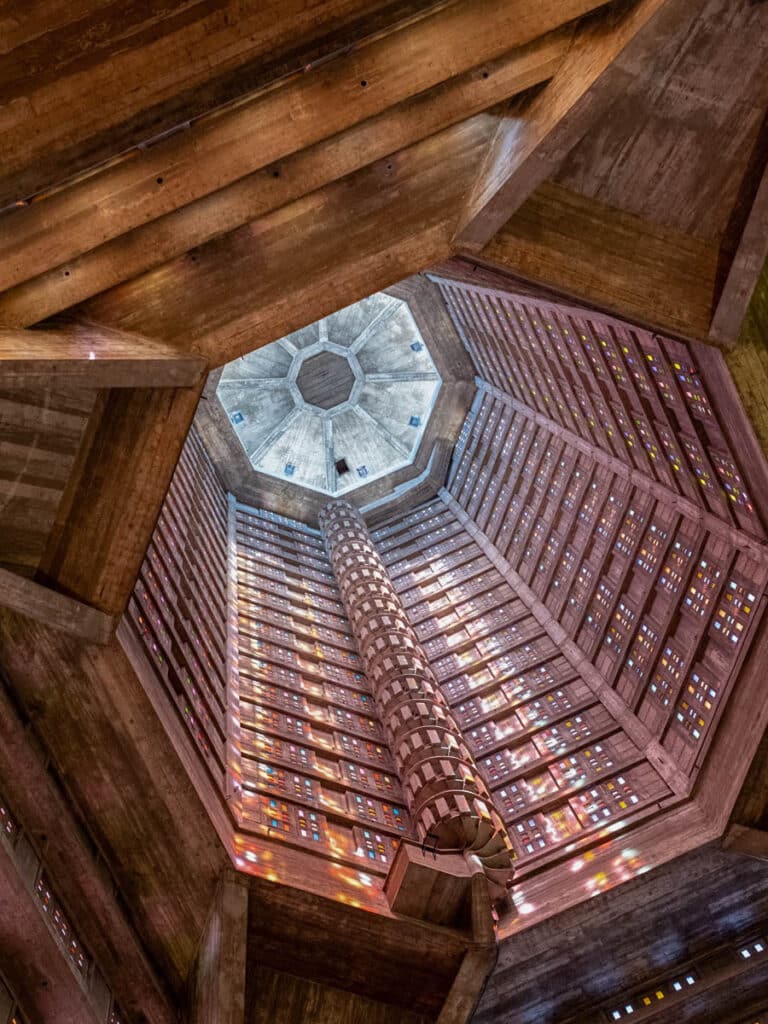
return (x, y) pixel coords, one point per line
(337, 404)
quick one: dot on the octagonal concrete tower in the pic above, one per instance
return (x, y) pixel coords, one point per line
(336, 404)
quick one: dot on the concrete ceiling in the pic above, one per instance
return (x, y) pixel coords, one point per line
(336, 404)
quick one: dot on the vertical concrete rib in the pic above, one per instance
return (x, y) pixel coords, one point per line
(446, 794)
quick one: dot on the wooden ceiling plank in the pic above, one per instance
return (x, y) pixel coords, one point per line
(40, 432)
(42, 493)
(40, 465)
(96, 554)
(746, 841)
(154, 65)
(257, 194)
(748, 262)
(87, 355)
(747, 360)
(39, 800)
(612, 260)
(34, 964)
(43, 420)
(282, 120)
(134, 793)
(55, 610)
(531, 142)
(306, 260)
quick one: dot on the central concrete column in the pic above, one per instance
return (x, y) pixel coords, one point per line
(443, 787)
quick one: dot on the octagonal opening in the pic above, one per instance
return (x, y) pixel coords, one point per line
(325, 380)
(354, 390)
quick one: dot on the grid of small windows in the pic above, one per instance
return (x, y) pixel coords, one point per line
(572, 491)
(286, 820)
(612, 395)
(753, 949)
(636, 366)
(32, 867)
(584, 765)
(642, 650)
(544, 709)
(731, 481)
(651, 549)
(589, 505)
(620, 628)
(565, 570)
(637, 1004)
(642, 400)
(667, 678)
(625, 427)
(660, 373)
(602, 802)
(676, 987)
(615, 557)
(8, 826)
(675, 567)
(698, 462)
(511, 799)
(733, 612)
(375, 846)
(378, 810)
(315, 765)
(548, 554)
(599, 608)
(178, 609)
(647, 439)
(697, 704)
(702, 587)
(582, 586)
(559, 738)
(607, 521)
(60, 925)
(675, 457)
(538, 832)
(693, 390)
(536, 733)
(504, 763)
(292, 784)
